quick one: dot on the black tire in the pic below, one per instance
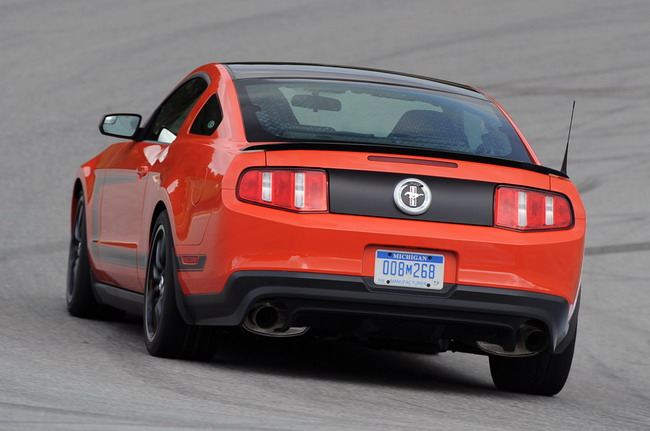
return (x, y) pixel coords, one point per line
(542, 374)
(79, 293)
(80, 297)
(165, 332)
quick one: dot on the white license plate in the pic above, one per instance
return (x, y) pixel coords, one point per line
(407, 269)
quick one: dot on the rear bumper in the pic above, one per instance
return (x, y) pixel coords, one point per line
(463, 312)
(243, 237)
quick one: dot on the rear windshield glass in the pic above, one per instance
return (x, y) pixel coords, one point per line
(341, 111)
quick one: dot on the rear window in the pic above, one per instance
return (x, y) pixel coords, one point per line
(341, 111)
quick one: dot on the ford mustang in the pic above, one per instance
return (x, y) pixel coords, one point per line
(308, 200)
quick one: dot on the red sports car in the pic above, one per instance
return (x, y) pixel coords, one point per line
(292, 199)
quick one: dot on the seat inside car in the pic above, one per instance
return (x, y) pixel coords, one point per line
(275, 113)
(432, 126)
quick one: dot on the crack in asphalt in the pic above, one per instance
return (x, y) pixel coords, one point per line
(110, 416)
(588, 185)
(617, 248)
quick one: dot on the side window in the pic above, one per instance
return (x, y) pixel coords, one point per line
(174, 110)
(208, 119)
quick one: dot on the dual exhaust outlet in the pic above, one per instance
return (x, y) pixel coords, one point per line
(269, 319)
(530, 340)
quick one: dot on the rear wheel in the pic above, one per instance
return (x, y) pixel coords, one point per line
(166, 333)
(542, 374)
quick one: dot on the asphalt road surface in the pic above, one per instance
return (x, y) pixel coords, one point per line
(63, 64)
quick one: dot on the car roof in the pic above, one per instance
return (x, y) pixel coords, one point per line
(323, 71)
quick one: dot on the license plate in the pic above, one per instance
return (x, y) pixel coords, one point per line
(407, 269)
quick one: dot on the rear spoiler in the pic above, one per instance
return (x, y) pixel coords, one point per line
(396, 149)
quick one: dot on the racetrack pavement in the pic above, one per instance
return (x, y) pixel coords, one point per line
(63, 64)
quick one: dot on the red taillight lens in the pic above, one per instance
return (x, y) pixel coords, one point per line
(250, 186)
(302, 190)
(526, 209)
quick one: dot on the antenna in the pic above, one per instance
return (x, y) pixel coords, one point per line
(566, 151)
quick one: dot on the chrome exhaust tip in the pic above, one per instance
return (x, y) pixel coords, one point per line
(530, 341)
(267, 318)
(535, 340)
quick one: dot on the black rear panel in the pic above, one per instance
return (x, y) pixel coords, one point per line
(371, 194)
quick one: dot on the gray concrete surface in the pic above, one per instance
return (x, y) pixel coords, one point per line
(65, 63)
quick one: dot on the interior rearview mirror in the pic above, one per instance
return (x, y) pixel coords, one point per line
(316, 103)
(120, 125)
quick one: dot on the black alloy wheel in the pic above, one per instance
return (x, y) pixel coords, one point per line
(166, 333)
(156, 282)
(79, 295)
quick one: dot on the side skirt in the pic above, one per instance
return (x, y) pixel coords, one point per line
(126, 300)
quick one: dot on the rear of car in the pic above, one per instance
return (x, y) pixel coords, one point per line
(406, 212)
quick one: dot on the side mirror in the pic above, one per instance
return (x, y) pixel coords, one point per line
(120, 125)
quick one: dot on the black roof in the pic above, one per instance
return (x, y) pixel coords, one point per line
(322, 71)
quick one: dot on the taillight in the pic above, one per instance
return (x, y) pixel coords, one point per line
(527, 209)
(302, 190)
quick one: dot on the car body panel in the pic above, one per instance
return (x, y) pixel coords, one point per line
(313, 243)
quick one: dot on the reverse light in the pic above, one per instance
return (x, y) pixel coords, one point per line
(301, 190)
(528, 210)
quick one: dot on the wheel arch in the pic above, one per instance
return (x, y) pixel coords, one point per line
(78, 187)
(158, 209)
